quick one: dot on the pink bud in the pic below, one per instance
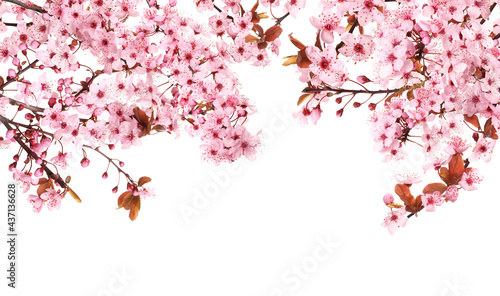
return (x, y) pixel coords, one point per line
(340, 112)
(372, 106)
(105, 175)
(12, 73)
(60, 81)
(111, 146)
(46, 16)
(68, 101)
(34, 44)
(388, 199)
(39, 161)
(23, 46)
(122, 164)
(38, 172)
(16, 61)
(173, 2)
(60, 88)
(98, 111)
(41, 67)
(363, 79)
(115, 189)
(12, 166)
(10, 134)
(16, 157)
(85, 162)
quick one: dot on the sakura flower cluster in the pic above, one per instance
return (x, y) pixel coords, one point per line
(431, 77)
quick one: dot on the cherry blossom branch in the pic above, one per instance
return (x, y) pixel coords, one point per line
(87, 86)
(24, 5)
(10, 80)
(278, 21)
(354, 25)
(354, 91)
(491, 10)
(27, 106)
(33, 155)
(111, 161)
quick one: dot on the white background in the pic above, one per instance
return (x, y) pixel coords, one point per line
(308, 184)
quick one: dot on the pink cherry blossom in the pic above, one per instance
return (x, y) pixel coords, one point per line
(395, 219)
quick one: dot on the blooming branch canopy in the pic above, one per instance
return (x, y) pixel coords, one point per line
(429, 70)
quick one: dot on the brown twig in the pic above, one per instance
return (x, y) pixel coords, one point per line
(10, 80)
(24, 5)
(33, 155)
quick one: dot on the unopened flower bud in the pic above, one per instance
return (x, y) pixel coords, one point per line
(388, 199)
(363, 79)
(356, 104)
(10, 134)
(105, 175)
(372, 106)
(11, 73)
(475, 136)
(85, 162)
(340, 112)
(115, 189)
(122, 164)
(34, 44)
(38, 172)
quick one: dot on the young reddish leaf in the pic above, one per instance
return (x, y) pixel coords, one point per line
(402, 190)
(255, 6)
(124, 200)
(456, 168)
(444, 173)
(433, 187)
(258, 29)
(490, 132)
(472, 120)
(272, 33)
(296, 42)
(291, 60)
(318, 41)
(261, 44)
(141, 116)
(251, 38)
(415, 206)
(135, 207)
(263, 15)
(405, 194)
(159, 128)
(44, 184)
(143, 180)
(255, 17)
(302, 98)
(302, 60)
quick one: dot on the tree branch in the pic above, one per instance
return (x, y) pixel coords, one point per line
(354, 91)
(24, 5)
(26, 106)
(10, 80)
(33, 155)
